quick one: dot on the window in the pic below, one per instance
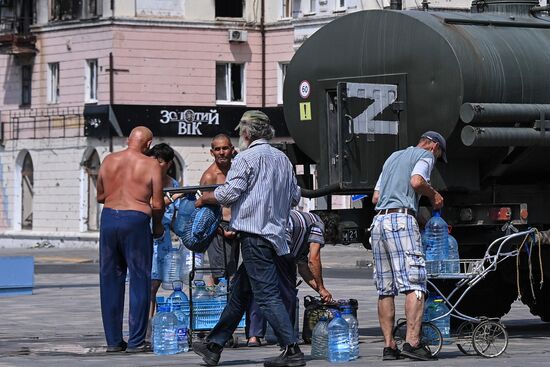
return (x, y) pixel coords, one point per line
(287, 9)
(312, 6)
(53, 82)
(91, 81)
(74, 9)
(91, 167)
(230, 82)
(280, 81)
(27, 192)
(340, 4)
(229, 8)
(26, 80)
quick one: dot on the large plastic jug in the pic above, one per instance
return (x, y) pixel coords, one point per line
(172, 268)
(338, 340)
(436, 243)
(165, 326)
(319, 339)
(353, 326)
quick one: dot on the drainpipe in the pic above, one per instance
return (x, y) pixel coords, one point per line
(262, 32)
(111, 91)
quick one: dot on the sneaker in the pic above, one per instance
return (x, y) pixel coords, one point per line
(390, 354)
(420, 352)
(210, 352)
(117, 348)
(144, 347)
(292, 356)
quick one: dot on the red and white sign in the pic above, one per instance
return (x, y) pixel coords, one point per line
(305, 89)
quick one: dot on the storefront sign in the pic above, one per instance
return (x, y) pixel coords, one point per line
(166, 121)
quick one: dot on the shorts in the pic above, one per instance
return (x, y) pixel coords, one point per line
(399, 262)
(160, 250)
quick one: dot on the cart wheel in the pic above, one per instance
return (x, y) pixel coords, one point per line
(490, 339)
(464, 340)
(431, 335)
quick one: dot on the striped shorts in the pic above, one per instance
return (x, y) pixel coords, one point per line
(399, 263)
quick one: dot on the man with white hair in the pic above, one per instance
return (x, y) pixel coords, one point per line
(260, 189)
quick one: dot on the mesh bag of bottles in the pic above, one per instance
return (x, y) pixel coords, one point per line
(196, 226)
(314, 308)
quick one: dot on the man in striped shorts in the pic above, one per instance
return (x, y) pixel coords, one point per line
(395, 239)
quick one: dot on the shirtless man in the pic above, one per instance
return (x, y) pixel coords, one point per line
(222, 150)
(130, 187)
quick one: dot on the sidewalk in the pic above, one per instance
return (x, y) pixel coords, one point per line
(60, 324)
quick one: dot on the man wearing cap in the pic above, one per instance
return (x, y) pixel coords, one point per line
(395, 239)
(260, 189)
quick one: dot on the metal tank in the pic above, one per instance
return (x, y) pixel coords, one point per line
(372, 82)
(438, 61)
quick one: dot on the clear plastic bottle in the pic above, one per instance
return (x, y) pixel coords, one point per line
(179, 298)
(338, 340)
(181, 330)
(453, 259)
(319, 339)
(187, 263)
(353, 326)
(436, 243)
(164, 331)
(202, 306)
(439, 308)
(172, 267)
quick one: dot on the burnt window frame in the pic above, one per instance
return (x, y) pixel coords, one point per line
(26, 85)
(229, 8)
(228, 83)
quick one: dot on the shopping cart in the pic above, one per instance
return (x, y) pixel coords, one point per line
(483, 336)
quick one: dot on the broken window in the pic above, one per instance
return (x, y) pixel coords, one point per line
(287, 9)
(91, 166)
(91, 81)
(230, 82)
(26, 85)
(74, 9)
(229, 8)
(53, 82)
(27, 192)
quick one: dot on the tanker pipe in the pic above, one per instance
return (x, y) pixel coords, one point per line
(503, 137)
(502, 112)
(306, 193)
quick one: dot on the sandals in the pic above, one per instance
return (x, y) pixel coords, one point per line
(257, 343)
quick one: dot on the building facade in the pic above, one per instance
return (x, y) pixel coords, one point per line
(77, 76)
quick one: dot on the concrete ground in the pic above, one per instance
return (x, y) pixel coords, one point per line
(60, 324)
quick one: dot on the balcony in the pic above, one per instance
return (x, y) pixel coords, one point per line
(15, 36)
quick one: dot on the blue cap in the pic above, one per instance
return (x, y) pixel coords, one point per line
(439, 139)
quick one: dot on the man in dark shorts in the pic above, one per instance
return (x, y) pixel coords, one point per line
(130, 187)
(224, 242)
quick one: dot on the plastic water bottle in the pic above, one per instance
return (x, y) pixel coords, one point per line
(181, 329)
(353, 326)
(338, 340)
(319, 339)
(179, 298)
(435, 243)
(202, 306)
(172, 267)
(453, 259)
(436, 307)
(164, 331)
(187, 263)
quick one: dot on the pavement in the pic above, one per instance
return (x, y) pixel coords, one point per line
(60, 323)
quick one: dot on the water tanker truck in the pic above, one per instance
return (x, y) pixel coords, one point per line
(371, 82)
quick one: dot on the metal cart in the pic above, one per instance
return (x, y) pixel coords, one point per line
(483, 336)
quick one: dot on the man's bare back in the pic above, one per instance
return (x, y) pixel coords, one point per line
(129, 180)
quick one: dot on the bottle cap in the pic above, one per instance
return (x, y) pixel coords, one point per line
(436, 213)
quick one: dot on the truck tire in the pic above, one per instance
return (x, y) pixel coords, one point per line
(537, 298)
